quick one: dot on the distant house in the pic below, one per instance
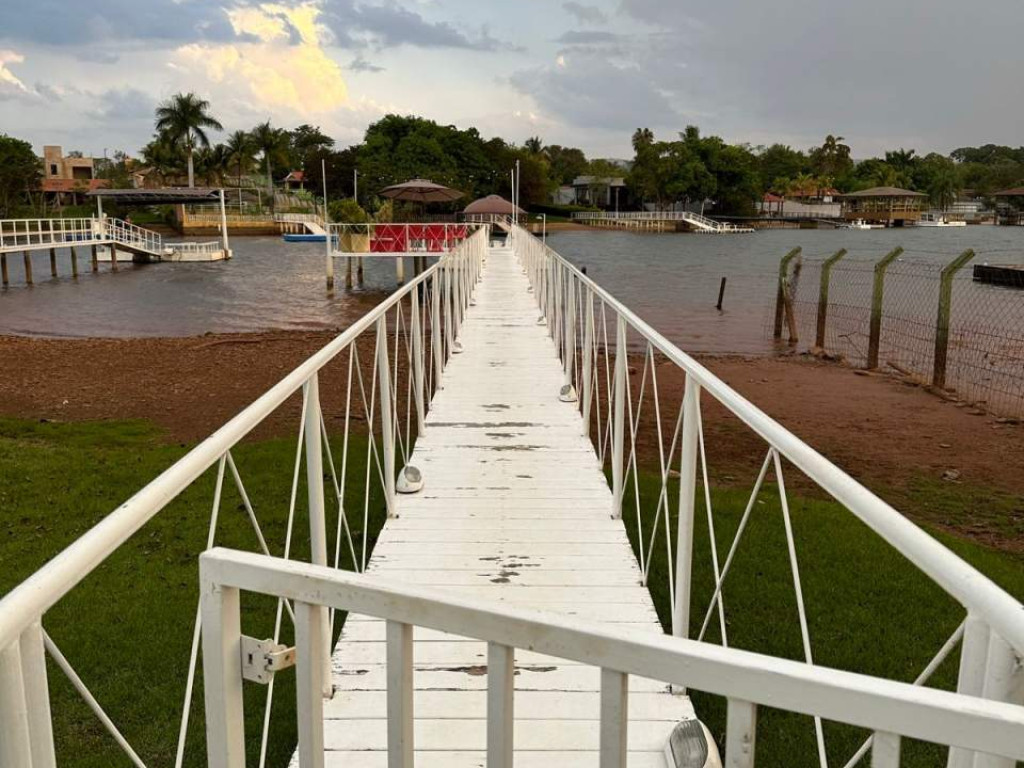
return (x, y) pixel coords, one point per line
(601, 192)
(295, 180)
(1010, 206)
(812, 194)
(884, 205)
(73, 167)
(70, 191)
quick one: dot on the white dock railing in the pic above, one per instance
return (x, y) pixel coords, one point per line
(394, 359)
(20, 234)
(132, 236)
(598, 339)
(889, 709)
(701, 222)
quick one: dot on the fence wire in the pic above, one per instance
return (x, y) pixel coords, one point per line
(985, 351)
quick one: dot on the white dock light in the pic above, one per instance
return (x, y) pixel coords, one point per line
(410, 480)
(691, 746)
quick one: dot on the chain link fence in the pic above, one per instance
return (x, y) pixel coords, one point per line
(920, 313)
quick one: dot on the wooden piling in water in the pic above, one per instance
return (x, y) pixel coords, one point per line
(721, 294)
(359, 271)
(113, 256)
(28, 268)
(74, 262)
(3, 270)
(95, 260)
(780, 298)
(53, 262)
(400, 269)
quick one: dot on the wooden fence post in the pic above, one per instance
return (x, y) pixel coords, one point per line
(942, 320)
(780, 298)
(826, 274)
(876, 306)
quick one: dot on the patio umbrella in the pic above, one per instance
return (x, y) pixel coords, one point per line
(421, 191)
(493, 204)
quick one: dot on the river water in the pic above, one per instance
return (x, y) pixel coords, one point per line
(670, 279)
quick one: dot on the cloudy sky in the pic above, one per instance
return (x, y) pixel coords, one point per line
(929, 74)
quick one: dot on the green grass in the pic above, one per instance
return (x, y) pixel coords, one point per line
(127, 628)
(868, 609)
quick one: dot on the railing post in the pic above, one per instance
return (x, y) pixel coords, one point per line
(740, 734)
(386, 422)
(16, 744)
(885, 750)
(310, 682)
(614, 719)
(619, 417)
(222, 676)
(971, 677)
(500, 705)
(570, 330)
(877, 296)
(435, 328)
(315, 494)
(37, 697)
(417, 358)
(399, 695)
(780, 298)
(687, 496)
(942, 320)
(588, 356)
(826, 275)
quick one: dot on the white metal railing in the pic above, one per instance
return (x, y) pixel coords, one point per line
(383, 239)
(299, 218)
(213, 219)
(389, 364)
(17, 234)
(132, 236)
(890, 709)
(599, 340)
(208, 247)
(702, 222)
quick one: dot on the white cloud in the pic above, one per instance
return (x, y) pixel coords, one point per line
(10, 84)
(279, 59)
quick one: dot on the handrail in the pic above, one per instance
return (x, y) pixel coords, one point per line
(868, 702)
(33, 597)
(973, 590)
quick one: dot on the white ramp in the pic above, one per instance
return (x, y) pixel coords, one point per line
(516, 509)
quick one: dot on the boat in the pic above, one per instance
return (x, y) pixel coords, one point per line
(861, 224)
(939, 220)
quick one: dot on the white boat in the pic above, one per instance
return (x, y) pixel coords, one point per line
(939, 220)
(861, 224)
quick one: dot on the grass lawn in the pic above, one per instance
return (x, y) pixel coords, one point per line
(127, 628)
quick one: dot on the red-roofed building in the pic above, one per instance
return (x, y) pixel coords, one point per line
(295, 180)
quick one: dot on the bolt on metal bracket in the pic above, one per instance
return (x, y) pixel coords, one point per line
(262, 658)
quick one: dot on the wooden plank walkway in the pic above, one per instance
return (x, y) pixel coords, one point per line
(515, 508)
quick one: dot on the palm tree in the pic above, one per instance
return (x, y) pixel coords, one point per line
(163, 156)
(272, 144)
(184, 119)
(242, 153)
(945, 187)
(534, 145)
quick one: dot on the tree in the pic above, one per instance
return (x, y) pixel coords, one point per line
(164, 157)
(642, 137)
(20, 172)
(272, 144)
(241, 153)
(565, 164)
(832, 159)
(184, 119)
(305, 140)
(534, 145)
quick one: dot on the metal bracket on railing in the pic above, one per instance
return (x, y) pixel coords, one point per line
(262, 658)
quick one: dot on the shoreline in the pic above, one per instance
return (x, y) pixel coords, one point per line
(896, 438)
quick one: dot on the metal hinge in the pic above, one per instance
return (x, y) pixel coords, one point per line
(262, 658)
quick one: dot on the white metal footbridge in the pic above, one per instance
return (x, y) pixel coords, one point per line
(503, 616)
(659, 220)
